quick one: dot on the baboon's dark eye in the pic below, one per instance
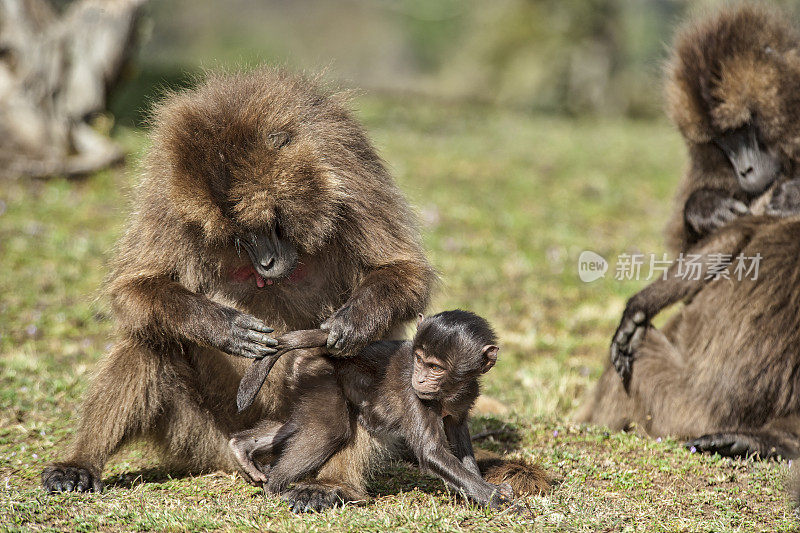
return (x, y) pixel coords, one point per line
(279, 139)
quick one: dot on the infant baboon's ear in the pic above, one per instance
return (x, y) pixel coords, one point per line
(489, 357)
(420, 318)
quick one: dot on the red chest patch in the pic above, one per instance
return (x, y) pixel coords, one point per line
(244, 273)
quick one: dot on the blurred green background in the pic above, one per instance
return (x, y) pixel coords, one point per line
(565, 56)
(522, 132)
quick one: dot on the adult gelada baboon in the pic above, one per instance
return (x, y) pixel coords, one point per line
(733, 91)
(263, 206)
(723, 371)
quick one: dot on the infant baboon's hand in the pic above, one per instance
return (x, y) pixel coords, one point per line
(785, 199)
(503, 495)
(245, 336)
(627, 339)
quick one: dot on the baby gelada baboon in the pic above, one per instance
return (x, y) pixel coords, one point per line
(263, 207)
(733, 91)
(419, 391)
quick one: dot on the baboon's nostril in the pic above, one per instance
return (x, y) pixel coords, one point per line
(267, 263)
(746, 172)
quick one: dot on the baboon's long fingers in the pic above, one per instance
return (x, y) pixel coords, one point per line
(68, 478)
(740, 207)
(256, 336)
(627, 339)
(257, 352)
(251, 322)
(334, 337)
(84, 483)
(728, 445)
(637, 338)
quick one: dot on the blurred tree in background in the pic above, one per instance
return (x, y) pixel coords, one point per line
(565, 56)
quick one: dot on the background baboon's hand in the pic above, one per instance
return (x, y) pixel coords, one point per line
(346, 331)
(707, 211)
(245, 336)
(785, 199)
(627, 339)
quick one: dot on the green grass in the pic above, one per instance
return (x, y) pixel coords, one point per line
(507, 202)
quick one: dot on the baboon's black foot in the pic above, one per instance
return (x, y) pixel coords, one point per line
(314, 498)
(735, 445)
(64, 477)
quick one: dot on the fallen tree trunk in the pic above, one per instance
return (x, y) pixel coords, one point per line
(55, 75)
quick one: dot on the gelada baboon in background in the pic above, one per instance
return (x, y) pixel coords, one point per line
(263, 206)
(733, 91)
(418, 391)
(724, 371)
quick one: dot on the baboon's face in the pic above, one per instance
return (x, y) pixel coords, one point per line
(446, 357)
(733, 84)
(257, 162)
(755, 164)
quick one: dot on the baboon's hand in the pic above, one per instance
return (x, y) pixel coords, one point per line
(707, 211)
(345, 331)
(785, 199)
(627, 339)
(246, 336)
(503, 495)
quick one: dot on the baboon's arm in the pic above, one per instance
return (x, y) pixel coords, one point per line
(458, 436)
(388, 295)
(156, 308)
(426, 438)
(674, 287)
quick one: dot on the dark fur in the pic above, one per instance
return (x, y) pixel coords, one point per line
(377, 390)
(725, 370)
(739, 67)
(243, 152)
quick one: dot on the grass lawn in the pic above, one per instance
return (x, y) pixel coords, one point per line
(507, 202)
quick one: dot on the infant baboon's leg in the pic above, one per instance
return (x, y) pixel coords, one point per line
(262, 439)
(320, 427)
